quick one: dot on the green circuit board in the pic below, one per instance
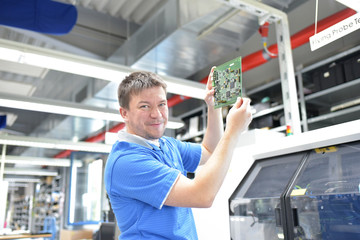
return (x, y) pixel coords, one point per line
(227, 81)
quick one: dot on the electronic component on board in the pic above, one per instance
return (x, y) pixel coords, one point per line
(227, 81)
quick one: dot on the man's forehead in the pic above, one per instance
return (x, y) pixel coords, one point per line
(144, 94)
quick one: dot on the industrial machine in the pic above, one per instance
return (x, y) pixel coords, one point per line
(303, 192)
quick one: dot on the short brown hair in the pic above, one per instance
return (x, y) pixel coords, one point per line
(135, 83)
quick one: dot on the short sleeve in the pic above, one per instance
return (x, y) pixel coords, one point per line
(139, 175)
(190, 154)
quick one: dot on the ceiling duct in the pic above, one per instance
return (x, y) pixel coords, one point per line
(169, 44)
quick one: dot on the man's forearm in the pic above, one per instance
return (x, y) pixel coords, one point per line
(214, 130)
(211, 176)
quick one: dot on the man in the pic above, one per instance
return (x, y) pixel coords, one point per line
(145, 174)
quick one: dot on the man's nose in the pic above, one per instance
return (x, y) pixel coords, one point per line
(155, 113)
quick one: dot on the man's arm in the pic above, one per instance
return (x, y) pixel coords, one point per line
(201, 191)
(215, 126)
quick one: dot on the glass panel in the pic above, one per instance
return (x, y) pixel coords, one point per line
(86, 188)
(256, 202)
(326, 194)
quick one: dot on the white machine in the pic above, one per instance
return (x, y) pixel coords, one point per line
(231, 218)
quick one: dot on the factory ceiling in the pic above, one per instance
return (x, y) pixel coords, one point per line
(182, 39)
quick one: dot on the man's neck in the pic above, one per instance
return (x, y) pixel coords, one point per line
(152, 141)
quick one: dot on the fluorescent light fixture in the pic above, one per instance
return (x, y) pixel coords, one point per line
(30, 172)
(57, 162)
(60, 61)
(26, 180)
(54, 144)
(70, 63)
(16, 184)
(66, 108)
(58, 107)
(185, 87)
(354, 4)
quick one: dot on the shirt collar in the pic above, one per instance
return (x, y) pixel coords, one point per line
(128, 137)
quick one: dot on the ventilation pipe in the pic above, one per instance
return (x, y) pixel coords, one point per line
(248, 62)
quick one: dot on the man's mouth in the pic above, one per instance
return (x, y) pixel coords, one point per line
(156, 124)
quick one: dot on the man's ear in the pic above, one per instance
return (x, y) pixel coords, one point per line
(123, 113)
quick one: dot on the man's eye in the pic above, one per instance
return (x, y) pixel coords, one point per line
(144, 106)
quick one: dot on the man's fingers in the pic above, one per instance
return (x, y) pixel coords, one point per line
(239, 102)
(209, 81)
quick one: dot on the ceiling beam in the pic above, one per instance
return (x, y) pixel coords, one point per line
(54, 144)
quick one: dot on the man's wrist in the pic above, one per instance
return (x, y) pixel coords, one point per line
(211, 109)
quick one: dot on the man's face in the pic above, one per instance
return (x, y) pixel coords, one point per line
(147, 115)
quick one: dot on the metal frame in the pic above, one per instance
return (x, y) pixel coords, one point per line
(68, 199)
(266, 13)
(302, 98)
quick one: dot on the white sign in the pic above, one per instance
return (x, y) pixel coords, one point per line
(335, 32)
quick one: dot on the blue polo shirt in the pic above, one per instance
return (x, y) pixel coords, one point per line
(138, 178)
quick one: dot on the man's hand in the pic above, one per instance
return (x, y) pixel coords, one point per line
(239, 116)
(209, 97)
